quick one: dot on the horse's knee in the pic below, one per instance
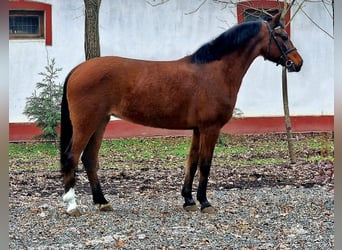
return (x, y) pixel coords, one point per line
(91, 165)
(67, 162)
(85, 161)
(68, 170)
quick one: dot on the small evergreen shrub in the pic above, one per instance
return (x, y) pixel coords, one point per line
(43, 106)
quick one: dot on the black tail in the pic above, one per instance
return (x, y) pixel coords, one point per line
(66, 127)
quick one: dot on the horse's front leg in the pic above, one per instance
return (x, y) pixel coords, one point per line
(191, 168)
(208, 140)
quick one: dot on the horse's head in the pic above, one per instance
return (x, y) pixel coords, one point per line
(279, 48)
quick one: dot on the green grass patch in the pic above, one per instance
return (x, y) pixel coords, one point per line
(32, 156)
(172, 152)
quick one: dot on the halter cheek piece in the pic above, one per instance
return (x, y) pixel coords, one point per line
(283, 58)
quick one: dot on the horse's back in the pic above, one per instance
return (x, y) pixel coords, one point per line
(153, 93)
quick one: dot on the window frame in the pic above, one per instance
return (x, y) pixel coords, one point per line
(262, 4)
(26, 13)
(45, 21)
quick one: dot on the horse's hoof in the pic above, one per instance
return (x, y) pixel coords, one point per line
(191, 208)
(106, 208)
(208, 210)
(74, 212)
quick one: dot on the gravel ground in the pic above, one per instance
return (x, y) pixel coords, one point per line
(259, 210)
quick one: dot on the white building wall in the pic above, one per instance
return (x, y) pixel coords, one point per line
(165, 32)
(29, 57)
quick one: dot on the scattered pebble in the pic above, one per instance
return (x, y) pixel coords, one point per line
(259, 218)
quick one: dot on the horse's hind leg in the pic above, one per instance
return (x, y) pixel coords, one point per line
(69, 166)
(90, 160)
(80, 139)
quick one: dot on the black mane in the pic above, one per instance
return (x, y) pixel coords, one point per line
(226, 43)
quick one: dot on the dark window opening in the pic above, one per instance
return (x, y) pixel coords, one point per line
(253, 10)
(26, 24)
(258, 14)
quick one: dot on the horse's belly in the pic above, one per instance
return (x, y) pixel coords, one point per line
(156, 116)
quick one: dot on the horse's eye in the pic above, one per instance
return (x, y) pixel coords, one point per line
(284, 37)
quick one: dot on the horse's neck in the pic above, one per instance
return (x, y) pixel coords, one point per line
(234, 66)
(246, 55)
(238, 62)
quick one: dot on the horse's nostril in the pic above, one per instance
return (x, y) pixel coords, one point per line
(289, 63)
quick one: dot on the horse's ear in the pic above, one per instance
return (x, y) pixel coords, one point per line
(275, 20)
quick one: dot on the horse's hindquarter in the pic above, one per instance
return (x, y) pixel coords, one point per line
(159, 94)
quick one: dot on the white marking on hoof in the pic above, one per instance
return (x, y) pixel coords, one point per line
(70, 199)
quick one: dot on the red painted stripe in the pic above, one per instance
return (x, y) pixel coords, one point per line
(249, 125)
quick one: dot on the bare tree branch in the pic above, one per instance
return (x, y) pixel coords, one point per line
(326, 8)
(195, 10)
(157, 4)
(316, 24)
(226, 2)
(296, 12)
(287, 7)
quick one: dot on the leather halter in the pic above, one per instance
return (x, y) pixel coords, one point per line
(283, 60)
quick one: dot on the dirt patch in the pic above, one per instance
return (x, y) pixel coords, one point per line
(259, 206)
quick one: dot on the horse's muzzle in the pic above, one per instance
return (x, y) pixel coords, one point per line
(292, 67)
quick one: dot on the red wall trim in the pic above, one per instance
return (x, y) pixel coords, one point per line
(249, 125)
(28, 5)
(262, 4)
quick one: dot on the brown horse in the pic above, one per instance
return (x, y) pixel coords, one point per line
(197, 92)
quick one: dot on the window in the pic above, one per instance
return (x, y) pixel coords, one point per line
(254, 10)
(30, 20)
(26, 24)
(257, 14)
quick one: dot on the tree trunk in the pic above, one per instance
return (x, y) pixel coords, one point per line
(290, 144)
(91, 34)
(289, 136)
